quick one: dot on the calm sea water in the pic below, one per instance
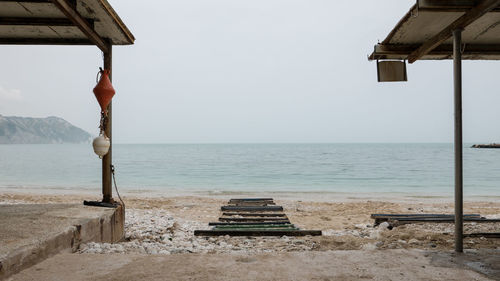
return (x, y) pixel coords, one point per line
(406, 168)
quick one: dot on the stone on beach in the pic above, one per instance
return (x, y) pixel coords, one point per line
(158, 232)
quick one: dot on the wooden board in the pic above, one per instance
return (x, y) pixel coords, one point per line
(260, 219)
(266, 226)
(376, 216)
(257, 232)
(379, 218)
(247, 223)
(485, 235)
(250, 214)
(251, 204)
(251, 208)
(251, 199)
(441, 220)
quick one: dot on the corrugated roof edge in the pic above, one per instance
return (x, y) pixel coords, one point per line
(409, 14)
(123, 28)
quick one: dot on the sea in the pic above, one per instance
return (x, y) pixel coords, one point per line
(383, 168)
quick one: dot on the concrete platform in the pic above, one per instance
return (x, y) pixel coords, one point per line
(331, 265)
(31, 233)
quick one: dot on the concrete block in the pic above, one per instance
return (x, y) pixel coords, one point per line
(32, 233)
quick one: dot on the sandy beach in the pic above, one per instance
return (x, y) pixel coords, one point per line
(159, 238)
(165, 225)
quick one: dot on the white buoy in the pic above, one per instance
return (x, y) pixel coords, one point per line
(101, 145)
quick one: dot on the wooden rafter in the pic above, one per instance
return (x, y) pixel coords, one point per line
(26, 1)
(382, 51)
(44, 41)
(446, 5)
(40, 21)
(70, 12)
(469, 17)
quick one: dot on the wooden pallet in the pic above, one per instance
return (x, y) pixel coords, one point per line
(254, 217)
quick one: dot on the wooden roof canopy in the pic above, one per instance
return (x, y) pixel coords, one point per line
(425, 32)
(62, 22)
(437, 30)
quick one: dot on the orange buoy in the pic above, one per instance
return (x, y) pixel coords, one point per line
(104, 91)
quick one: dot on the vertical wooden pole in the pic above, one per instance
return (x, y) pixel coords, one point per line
(107, 191)
(457, 77)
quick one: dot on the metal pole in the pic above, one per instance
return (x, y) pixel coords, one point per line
(107, 191)
(457, 76)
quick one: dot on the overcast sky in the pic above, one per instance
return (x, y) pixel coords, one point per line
(252, 71)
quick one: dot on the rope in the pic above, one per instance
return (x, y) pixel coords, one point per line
(97, 76)
(103, 124)
(116, 188)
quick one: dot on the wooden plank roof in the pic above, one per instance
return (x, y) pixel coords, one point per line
(63, 22)
(425, 31)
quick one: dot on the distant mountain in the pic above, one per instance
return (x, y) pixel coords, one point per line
(24, 130)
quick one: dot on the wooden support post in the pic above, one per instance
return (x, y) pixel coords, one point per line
(107, 191)
(457, 77)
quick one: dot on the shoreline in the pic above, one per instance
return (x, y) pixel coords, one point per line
(308, 196)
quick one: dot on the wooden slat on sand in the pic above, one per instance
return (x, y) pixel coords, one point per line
(252, 208)
(265, 226)
(247, 223)
(250, 204)
(376, 216)
(485, 235)
(256, 232)
(250, 214)
(251, 199)
(408, 218)
(259, 219)
(254, 217)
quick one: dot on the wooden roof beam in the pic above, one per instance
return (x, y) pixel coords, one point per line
(40, 21)
(69, 10)
(44, 41)
(448, 5)
(445, 4)
(27, 1)
(383, 51)
(469, 17)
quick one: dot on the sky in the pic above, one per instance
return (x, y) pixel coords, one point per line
(261, 71)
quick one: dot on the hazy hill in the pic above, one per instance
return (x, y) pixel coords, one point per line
(40, 130)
